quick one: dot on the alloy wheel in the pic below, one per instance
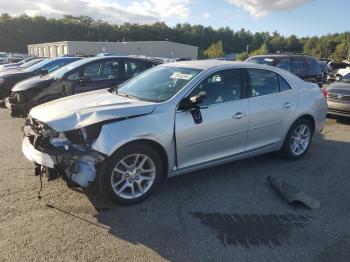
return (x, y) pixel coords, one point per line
(300, 139)
(133, 176)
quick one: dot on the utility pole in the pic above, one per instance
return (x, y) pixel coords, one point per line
(247, 47)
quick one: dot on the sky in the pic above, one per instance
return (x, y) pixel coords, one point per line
(299, 17)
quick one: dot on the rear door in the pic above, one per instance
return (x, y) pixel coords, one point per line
(225, 118)
(272, 105)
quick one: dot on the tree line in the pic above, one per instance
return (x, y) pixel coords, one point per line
(16, 32)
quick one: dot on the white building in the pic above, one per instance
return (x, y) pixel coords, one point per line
(148, 48)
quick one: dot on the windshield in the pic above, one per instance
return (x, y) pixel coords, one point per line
(346, 79)
(30, 63)
(260, 60)
(3, 55)
(37, 65)
(60, 72)
(159, 83)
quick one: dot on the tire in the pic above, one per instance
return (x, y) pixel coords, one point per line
(294, 143)
(114, 171)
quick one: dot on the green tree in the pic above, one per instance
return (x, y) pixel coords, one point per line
(242, 56)
(342, 52)
(215, 50)
(263, 50)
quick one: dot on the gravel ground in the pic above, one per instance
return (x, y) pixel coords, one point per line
(226, 213)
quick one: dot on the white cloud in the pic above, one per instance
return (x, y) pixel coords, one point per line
(147, 11)
(260, 8)
(205, 15)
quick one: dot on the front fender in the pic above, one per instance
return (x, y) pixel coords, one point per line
(157, 127)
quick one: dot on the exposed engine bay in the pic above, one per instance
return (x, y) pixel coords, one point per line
(70, 152)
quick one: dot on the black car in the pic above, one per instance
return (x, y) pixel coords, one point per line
(81, 76)
(25, 65)
(304, 66)
(10, 78)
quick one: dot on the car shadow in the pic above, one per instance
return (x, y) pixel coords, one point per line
(191, 217)
(340, 119)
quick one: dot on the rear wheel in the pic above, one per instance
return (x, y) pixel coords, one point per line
(298, 139)
(131, 174)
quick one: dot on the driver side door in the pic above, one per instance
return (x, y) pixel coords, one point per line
(225, 118)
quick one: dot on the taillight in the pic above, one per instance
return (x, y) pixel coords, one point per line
(324, 92)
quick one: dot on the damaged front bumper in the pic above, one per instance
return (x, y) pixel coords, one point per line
(17, 109)
(77, 164)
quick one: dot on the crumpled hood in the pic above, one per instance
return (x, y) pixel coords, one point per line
(339, 88)
(35, 81)
(85, 109)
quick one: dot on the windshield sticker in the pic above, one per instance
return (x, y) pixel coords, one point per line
(182, 76)
(268, 59)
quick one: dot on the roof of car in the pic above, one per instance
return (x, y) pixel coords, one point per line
(210, 63)
(283, 55)
(93, 58)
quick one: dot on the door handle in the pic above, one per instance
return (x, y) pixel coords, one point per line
(238, 115)
(287, 105)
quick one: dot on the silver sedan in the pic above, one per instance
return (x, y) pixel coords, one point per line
(170, 120)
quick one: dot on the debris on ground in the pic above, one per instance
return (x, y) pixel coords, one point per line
(293, 194)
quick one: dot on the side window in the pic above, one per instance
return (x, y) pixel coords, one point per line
(133, 68)
(98, 71)
(284, 86)
(73, 76)
(298, 65)
(284, 63)
(55, 65)
(313, 65)
(220, 87)
(262, 82)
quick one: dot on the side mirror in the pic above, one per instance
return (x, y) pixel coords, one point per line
(192, 102)
(43, 72)
(84, 78)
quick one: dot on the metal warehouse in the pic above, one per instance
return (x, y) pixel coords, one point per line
(148, 48)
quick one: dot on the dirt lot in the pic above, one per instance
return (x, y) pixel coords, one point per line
(226, 213)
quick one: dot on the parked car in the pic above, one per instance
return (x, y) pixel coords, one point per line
(23, 66)
(13, 65)
(338, 97)
(9, 78)
(81, 76)
(304, 66)
(3, 58)
(170, 120)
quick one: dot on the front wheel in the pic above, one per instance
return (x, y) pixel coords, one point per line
(298, 139)
(131, 174)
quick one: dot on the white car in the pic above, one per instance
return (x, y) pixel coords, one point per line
(3, 58)
(170, 120)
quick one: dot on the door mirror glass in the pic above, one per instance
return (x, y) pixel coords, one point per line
(191, 102)
(85, 78)
(43, 72)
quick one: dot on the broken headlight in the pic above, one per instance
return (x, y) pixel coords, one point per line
(85, 135)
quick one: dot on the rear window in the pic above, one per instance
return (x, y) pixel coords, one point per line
(313, 65)
(298, 65)
(261, 60)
